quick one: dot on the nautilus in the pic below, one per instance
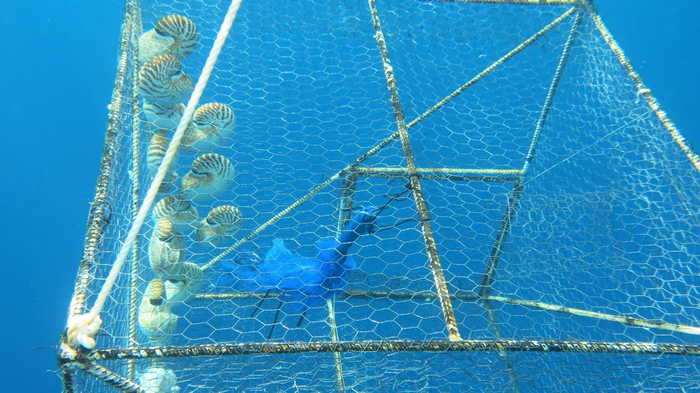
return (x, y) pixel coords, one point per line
(179, 210)
(183, 282)
(172, 35)
(162, 81)
(212, 124)
(158, 379)
(155, 319)
(163, 118)
(210, 176)
(166, 248)
(219, 225)
(156, 151)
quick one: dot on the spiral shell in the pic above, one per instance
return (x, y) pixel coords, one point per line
(219, 225)
(168, 184)
(212, 124)
(152, 44)
(210, 176)
(184, 282)
(158, 379)
(155, 319)
(188, 272)
(166, 119)
(179, 210)
(162, 82)
(166, 248)
(156, 151)
(172, 35)
(155, 292)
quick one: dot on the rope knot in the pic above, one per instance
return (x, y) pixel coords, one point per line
(82, 330)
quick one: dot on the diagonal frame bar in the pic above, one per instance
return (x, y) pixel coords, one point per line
(489, 276)
(421, 205)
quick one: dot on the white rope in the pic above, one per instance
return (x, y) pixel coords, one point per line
(83, 328)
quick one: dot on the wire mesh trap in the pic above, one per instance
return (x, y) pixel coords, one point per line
(387, 196)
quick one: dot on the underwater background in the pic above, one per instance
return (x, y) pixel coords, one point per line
(57, 72)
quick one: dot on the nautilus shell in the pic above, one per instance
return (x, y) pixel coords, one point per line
(212, 124)
(155, 319)
(179, 210)
(155, 293)
(162, 82)
(168, 184)
(172, 35)
(166, 119)
(156, 151)
(158, 380)
(166, 248)
(219, 225)
(210, 175)
(183, 282)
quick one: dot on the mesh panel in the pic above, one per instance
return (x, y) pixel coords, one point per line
(532, 225)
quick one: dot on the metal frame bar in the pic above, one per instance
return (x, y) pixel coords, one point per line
(426, 296)
(421, 205)
(337, 360)
(345, 201)
(268, 348)
(108, 376)
(490, 274)
(641, 87)
(444, 174)
(87, 363)
(100, 211)
(497, 251)
(136, 175)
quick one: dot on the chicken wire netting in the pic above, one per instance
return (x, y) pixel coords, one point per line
(391, 196)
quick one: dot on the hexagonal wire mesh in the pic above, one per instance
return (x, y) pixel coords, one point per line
(515, 211)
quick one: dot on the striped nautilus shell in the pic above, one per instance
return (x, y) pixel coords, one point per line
(184, 282)
(210, 176)
(166, 119)
(172, 35)
(156, 151)
(179, 210)
(155, 319)
(212, 124)
(219, 225)
(162, 82)
(166, 248)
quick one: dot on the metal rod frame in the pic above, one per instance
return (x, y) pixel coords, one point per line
(268, 348)
(421, 205)
(136, 189)
(100, 211)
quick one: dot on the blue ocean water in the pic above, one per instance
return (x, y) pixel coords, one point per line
(58, 72)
